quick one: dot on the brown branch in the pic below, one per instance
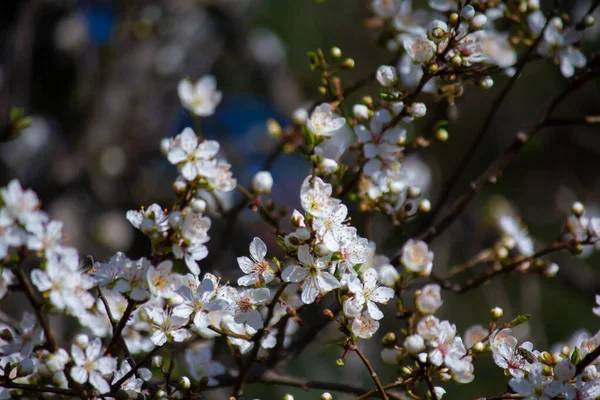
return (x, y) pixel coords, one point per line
(587, 360)
(38, 389)
(117, 385)
(496, 104)
(561, 245)
(494, 170)
(374, 392)
(114, 326)
(37, 307)
(270, 377)
(365, 361)
(503, 396)
(120, 326)
(588, 120)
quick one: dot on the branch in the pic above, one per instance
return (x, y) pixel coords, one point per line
(494, 170)
(496, 104)
(37, 307)
(114, 326)
(38, 389)
(445, 284)
(364, 359)
(587, 360)
(272, 378)
(117, 385)
(121, 325)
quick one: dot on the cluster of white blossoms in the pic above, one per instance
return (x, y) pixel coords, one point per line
(132, 307)
(542, 375)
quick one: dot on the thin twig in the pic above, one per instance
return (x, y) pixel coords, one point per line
(371, 371)
(37, 307)
(117, 385)
(121, 325)
(445, 284)
(496, 105)
(114, 326)
(38, 389)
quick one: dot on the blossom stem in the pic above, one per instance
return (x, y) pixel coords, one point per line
(37, 307)
(229, 334)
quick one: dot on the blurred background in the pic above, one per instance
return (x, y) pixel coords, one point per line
(99, 79)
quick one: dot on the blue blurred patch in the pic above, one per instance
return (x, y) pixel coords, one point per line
(101, 22)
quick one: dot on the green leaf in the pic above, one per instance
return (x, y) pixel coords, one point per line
(313, 60)
(521, 319)
(576, 356)
(309, 138)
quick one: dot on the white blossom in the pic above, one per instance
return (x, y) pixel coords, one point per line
(256, 266)
(417, 257)
(92, 366)
(323, 122)
(200, 98)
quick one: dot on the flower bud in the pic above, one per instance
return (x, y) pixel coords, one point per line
(456, 60)
(502, 252)
(165, 145)
(496, 313)
(436, 30)
(433, 68)
(328, 166)
(406, 370)
(326, 396)
(429, 299)
(589, 21)
(551, 270)
(467, 13)
(439, 392)
(340, 362)
(348, 63)
(478, 22)
(328, 313)
(386, 75)
(179, 186)
(297, 219)
(336, 52)
(82, 340)
(578, 209)
(414, 344)
(184, 382)
(546, 358)
(417, 110)
(161, 394)
(157, 361)
(453, 19)
(441, 134)
(424, 206)
(299, 116)
(360, 111)
(198, 206)
(262, 182)
(413, 192)
(322, 90)
(479, 347)
(288, 397)
(389, 339)
(486, 83)
(274, 128)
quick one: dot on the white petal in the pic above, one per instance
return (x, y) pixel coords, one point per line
(258, 249)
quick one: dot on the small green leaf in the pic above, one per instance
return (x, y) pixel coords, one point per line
(309, 138)
(576, 356)
(521, 319)
(313, 60)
